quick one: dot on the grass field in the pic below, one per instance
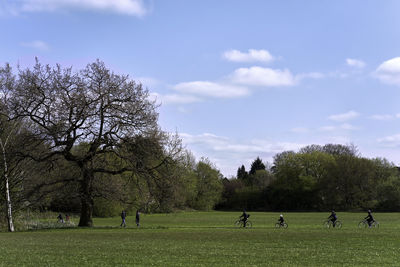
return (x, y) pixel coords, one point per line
(209, 239)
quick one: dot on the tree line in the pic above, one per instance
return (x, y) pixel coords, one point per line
(88, 142)
(315, 178)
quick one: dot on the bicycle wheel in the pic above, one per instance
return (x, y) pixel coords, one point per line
(239, 223)
(375, 224)
(285, 225)
(249, 224)
(277, 225)
(327, 224)
(362, 224)
(338, 224)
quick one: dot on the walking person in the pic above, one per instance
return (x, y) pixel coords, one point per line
(137, 218)
(123, 216)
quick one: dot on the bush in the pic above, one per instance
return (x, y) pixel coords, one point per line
(106, 208)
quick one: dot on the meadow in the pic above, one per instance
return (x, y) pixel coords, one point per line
(209, 239)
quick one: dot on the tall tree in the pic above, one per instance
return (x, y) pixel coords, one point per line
(5, 176)
(7, 81)
(209, 185)
(94, 106)
(242, 173)
(256, 165)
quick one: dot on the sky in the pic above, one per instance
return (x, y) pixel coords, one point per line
(236, 79)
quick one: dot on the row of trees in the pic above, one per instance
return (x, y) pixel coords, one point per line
(89, 142)
(70, 140)
(316, 178)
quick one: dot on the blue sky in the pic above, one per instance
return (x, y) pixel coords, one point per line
(236, 79)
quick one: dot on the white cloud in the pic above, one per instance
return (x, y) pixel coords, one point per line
(258, 76)
(344, 126)
(229, 154)
(252, 55)
(147, 81)
(127, 7)
(211, 89)
(344, 116)
(389, 71)
(347, 126)
(174, 98)
(382, 117)
(355, 63)
(391, 141)
(37, 44)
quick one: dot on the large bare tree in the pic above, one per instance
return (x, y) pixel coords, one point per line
(94, 106)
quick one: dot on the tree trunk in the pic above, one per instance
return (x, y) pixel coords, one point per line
(86, 212)
(86, 199)
(8, 206)
(10, 223)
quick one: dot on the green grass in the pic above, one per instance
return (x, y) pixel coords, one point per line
(209, 239)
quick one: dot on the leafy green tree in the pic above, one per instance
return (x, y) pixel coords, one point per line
(209, 185)
(338, 149)
(388, 194)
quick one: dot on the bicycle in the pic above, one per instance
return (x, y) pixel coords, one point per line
(283, 225)
(329, 224)
(364, 224)
(240, 223)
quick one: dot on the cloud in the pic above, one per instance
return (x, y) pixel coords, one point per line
(258, 76)
(344, 126)
(37, 44)
(126, 7)
(211, 89)
(347, 126)
(174, 98)
(344, 116)
(229, 154)
(390, 141)
(147, 81)
(389, 71)
(239, 82)
(355, 63)
(252, 55)
(383, 117)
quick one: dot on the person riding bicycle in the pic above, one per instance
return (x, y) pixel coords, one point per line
(369, 218)
(281, 220)
(60, 218)
(245, 216)
(333, 218)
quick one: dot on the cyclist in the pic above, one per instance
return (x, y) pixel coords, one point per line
(60, 218)
(369, 218)
(281, 220)
(333, 218)
(245, 216)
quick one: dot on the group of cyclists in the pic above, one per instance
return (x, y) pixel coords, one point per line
(333, 219)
